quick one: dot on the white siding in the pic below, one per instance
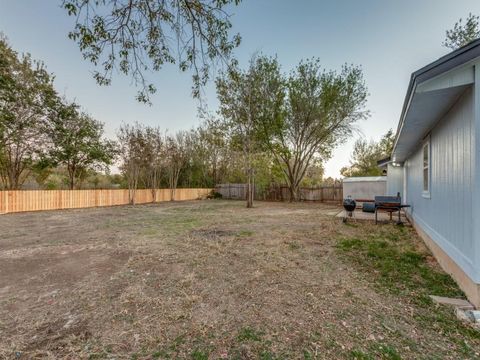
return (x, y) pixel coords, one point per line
(447, 215)
(364, 188)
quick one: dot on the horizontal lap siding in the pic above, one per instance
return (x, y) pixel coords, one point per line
(37, 200)
(448, 212)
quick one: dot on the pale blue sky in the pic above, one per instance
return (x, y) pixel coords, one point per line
(389, 39)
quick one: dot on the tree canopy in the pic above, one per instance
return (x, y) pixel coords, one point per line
(77, 143)
(462, 32)
(139, 36)
(270, 128)
(247, 99)
(39, 130)
(313, 112)
(26, 98)
(366, 154)
(297, 119)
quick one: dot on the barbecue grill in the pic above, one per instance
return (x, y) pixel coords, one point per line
(389, 204)
(349, 205)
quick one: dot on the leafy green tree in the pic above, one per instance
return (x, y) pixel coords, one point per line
(153, 158)
(210, 152)
(314, 174)
(212, 158)
(177, 149)
(131, 143)
(41, 171)
(462, 33)
(136, 36)
(78, 144)
(322, 108)
(386, 144)
(366, 154)
(26, 99)
(115, 180)
(329, 181)
(247, 97)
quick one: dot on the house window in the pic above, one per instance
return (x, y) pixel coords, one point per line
(426, 169)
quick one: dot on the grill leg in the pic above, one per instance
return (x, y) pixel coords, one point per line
(375, 216)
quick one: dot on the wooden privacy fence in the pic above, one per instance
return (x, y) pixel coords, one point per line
(37, 200)
(331, 193)
(233, 191)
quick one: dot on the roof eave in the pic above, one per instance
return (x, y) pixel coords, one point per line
(439, 66)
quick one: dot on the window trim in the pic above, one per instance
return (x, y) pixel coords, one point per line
(426, 144)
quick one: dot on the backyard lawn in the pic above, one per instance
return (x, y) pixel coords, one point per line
(212, 279)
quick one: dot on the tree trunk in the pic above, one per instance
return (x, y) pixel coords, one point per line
(71, 175)
(249, 189)
(173, 183)
(131, 195)
(153, 184)
(293, 192)
(132, 184)
(172, 187)
(133, 191)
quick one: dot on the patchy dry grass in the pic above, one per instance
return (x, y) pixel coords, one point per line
(211, 279)
(399, 264)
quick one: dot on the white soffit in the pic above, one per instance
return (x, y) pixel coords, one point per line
(430, 102)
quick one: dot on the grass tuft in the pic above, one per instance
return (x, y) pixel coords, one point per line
(245, 233)
(199, 355)
(249, 334)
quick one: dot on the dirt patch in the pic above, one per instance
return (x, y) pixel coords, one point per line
(205, 279)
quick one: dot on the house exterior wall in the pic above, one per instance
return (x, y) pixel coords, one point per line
(394, 180)
(446, 215)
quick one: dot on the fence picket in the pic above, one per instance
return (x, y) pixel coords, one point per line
(323, 193)
(38, 200)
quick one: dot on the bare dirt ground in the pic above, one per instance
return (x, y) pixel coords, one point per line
(211, 279)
